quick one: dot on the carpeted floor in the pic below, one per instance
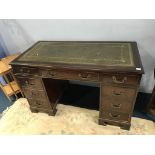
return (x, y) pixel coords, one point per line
(0, 115)
(18, 119)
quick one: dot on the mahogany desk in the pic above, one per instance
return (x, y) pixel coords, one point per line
(43, 71)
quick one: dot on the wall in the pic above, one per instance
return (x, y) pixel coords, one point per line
(2, 53)
(18, 35)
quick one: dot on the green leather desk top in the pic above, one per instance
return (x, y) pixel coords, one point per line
(85, 55)
(96, 53)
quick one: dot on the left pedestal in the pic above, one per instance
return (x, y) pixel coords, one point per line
(41, 93)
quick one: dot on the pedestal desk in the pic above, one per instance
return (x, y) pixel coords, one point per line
(44, 69)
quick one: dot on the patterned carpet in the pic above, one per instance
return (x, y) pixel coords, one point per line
(18, 119)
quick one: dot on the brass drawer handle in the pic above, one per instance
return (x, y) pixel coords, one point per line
(52, 74)
(38, 103)
(114, 115)
(115, 80)
(29, 83)
(32, 84)
(116, 93)
(118, 105)
(84, 76)
(26, 71)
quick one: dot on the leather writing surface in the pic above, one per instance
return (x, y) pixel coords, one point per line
(91, 53)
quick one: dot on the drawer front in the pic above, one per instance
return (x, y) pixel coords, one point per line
(39, 103)
(25, 70)
(31, 83)
(117, 98)
(120, 79)
(115, 116)
(35, 94)
(70, 75)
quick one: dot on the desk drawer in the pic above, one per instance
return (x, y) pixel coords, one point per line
(117, 98)
(31, 83)
(120, 79)
(71, 75)
(115, 116)
(25, 70)
(35, 94)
